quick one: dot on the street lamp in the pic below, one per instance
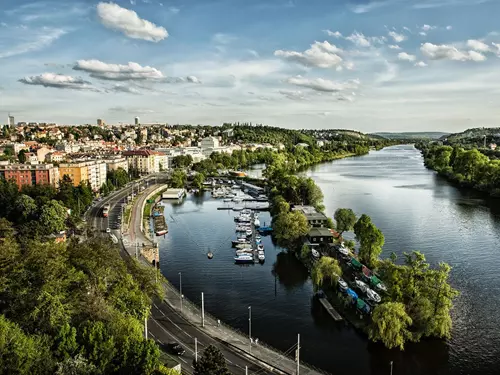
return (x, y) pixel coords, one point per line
(250, 324)
(180, 287)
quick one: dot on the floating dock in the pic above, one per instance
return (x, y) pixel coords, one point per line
(328, 306)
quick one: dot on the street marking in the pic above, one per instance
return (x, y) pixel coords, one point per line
(153, 336)
(183, 360)
(171, 335)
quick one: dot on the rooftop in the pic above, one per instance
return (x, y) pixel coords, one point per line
(320, 232)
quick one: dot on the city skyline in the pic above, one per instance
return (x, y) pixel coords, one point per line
(390, 65)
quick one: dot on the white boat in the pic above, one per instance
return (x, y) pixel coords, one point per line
(242, 228)
(249, 232)
(262, 257)
(236, 200)
(244, 251)
(256, 223)
(245, 245)
(237, 208)
(381, 287)
(239, 241)
(243, 258)
(260, 247)
(227, 199)
(342, 285)
(361, 285)
(372, 295)
(315, 253)
(343, 250)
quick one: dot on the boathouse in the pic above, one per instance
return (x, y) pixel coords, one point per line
(314, 218)
(319, 235)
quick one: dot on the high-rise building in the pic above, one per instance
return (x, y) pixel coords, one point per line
(137, 121)
(11, 121)
(100, 122)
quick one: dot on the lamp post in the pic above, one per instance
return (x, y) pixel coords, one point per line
(180, 287)
(250, 325)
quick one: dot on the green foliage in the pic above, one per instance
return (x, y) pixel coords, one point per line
(53, 217)
(370, 239)
(305, 252)
(178, 178)
(118, 177)
(182, 161)
(326, 269)
(198, 181)
(78, 308)
(289, 228)
(390, 324)
(345, 219)
(212, 362)
(22, 156)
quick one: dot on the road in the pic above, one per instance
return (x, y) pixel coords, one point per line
(165, 325)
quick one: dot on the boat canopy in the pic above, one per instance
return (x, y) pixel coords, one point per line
(366, 271)
(355, 263)
(374, 280)
(352, 293)
(362, 306)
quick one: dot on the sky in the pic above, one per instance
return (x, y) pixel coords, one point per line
(388, 65)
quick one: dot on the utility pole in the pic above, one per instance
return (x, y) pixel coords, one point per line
(202, 310)
(146, 327)
(250, 326)
(298, 353)
(195, 349)
(246, 370)
(136, 250)
(391, 367)
(180, 288)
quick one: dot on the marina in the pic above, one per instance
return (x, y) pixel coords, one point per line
(249, 244)
(160, 225)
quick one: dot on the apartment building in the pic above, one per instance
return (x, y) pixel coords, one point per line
(94, 172)
(55, 157)
(146, 161)
(114, 164)
(25, 174)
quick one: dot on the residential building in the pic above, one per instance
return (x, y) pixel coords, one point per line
(94, 172)
(25, 174)
(114, 164)
(318, 236)
(146, 161)
(42, 153)
(100, 122)
(31, 158)
(55, 157)
(314, 218)
(18, 147)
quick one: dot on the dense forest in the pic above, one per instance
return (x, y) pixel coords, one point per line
(467, 167)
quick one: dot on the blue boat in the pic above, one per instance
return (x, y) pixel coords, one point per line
(352, 293)
(265, 230)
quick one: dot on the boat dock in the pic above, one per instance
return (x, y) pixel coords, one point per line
(328, 306)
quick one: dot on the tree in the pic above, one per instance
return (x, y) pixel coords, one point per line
(390, 324)
(345, 219)
(212, 362)
(22, 156)
(289, 228)
(371, 240)
(27, 207)
(325, 269)
(198, 180)
(52, 217)
(178, 178)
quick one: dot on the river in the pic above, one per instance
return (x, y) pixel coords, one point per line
(415, 209)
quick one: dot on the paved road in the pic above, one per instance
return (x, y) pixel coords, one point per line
(165, 324)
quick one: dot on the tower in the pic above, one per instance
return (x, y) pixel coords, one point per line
(137, 121)
(11, 121)
(100, 122)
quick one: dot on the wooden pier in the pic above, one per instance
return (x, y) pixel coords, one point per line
(328, 306)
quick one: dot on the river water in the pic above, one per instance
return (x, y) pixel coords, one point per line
(415, 209)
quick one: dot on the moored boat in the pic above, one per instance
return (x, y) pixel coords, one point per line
(161, 232)
(243, 258)
(244, 245)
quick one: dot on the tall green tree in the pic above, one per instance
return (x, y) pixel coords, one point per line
(198, 181)
(27, 208)
(178, 178)
(390, 324)
(53, 217)
(212, 362)
(371, 240)
(345, 219)
(289, 228)
(21, 156)
(326, 269)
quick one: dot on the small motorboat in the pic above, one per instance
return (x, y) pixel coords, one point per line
(262, 256)
(239, 241)
(243, 258)
(342, 285)
(361, 285)
(227, 200)
(256, 223)
(381, 287)
(258, 237)
(248, 232)
(210, 255)
(260, 247)
(315, 253)
(343, 250)
(243, 245)
(372, 295)
(161, 232)
(237, 208)
(244, 251)
(258, 242)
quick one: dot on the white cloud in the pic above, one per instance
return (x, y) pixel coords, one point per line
(407, 29)
(406, 57)
(449, 52)
(336, 34)
(293, 94)
(421, 64)
(497, 46)
(323, 85)
(321, 55)
(40, 39)
(394, 46)
(57, 81)
(193, 79)
(128, 22)
(173, 10)
(449, 27)
(118, 72)
(478, 45)
(365, 8)
(124, 89)
(398, 38)
(221, 38)
(422, 33)
(428, 27)
(359, 39)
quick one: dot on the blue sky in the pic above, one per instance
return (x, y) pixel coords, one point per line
(389, 65)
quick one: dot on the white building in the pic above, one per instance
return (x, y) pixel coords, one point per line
(146, 161)
(114, 164)
(96, 174)
(209, 142)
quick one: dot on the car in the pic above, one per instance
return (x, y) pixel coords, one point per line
(175, 348)
(108, 230)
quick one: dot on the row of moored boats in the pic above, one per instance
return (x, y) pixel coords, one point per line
(248, 244)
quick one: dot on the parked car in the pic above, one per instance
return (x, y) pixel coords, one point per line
(175, 348)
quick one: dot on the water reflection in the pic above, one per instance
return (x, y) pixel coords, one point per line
(290, 272)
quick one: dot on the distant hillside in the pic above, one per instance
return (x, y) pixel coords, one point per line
(410, 135)
(474, 133)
